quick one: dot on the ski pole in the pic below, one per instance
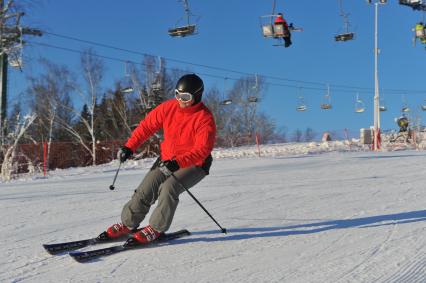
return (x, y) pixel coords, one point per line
(223, 230)
(111, 187)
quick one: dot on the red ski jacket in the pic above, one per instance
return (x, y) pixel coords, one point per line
(189, 133)
(281, 21)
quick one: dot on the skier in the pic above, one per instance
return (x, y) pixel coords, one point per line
(189, 135)
(279, 20)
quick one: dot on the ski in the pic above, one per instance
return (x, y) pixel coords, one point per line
(131, 243)
(57, 248)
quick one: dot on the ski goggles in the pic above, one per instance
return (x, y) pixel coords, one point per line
(183, 96)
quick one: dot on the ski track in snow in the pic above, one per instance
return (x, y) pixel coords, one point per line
(333, 217)
(367, 264)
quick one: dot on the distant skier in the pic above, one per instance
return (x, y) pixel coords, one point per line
(280, 21)
(189, 135)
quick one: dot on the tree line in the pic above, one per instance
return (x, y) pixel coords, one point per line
(67, 105)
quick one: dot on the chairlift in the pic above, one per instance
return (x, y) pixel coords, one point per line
(128, 89)
(326, 105)
(185, 30)
(419, 33)
(359, 105)
(345, 36)
(405, 107)
(382, 104)
(423, 106)
(275, 31)
(15, 54)
(414, 4)
(226, 102)
(301, 107)
(253, 99)
(157, 82)
(15, 60)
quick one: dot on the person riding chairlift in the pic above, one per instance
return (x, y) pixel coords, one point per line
(420, 32)
(279, 20)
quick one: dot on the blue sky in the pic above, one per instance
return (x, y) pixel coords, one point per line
(229, 37)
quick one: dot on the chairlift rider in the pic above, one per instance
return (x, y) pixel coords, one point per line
(280, 21)
(420, 32)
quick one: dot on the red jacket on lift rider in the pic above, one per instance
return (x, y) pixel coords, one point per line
(279, 20)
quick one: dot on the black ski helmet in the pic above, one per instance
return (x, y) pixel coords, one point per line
(193, 84)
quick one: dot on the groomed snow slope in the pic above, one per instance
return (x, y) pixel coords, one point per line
(292, 216)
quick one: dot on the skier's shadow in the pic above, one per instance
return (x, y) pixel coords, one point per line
(235, 234)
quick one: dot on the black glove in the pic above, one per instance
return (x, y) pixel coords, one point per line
(124, 153)
(167, 167)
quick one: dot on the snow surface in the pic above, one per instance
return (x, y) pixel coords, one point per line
(314, 212)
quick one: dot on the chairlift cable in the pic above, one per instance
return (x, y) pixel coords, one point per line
(346, 87)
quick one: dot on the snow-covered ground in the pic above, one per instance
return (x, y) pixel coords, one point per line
(317, 212)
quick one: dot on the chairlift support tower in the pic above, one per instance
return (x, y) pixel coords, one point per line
(11, 33)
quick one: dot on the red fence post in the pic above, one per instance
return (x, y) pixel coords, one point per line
(257, 142)
(44, 158)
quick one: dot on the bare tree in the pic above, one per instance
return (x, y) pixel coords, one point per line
(93, 69)
(149, 82)
(9, 152)
(246, 93)
(297, 136)
(267, 130)
(309, 134)
(50, 98)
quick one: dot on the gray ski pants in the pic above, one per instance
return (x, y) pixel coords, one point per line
(167, 190)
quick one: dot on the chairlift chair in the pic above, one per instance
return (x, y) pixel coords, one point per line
(15, 61)
(15, 53)
(346, 35)
(359, 105)
(185, 30)
(182, 31)
(226, 102)
(424, 106)
(414, 4)
(326, 105)
(253, 99)
(301, 107)
(405, 109)
(419, 33)
(382, 105)
(271, 30)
